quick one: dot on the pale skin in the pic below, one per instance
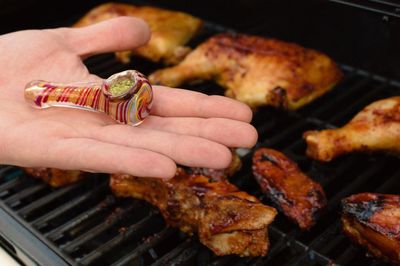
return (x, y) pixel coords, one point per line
(184, 127)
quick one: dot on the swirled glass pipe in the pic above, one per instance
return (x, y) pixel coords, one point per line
(126, 96)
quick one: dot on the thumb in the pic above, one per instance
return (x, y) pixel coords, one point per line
(116, 34)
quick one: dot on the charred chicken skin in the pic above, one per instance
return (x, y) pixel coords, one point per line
(256, 70)
(293, 192)
(170, 30)
(376, 128)
(56, 177)
(227, 221)
(373, 221)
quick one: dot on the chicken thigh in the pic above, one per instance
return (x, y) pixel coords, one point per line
(256, 70)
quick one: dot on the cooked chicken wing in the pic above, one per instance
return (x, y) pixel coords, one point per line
(226, 220)
(256, 70)
(171, 30)
(56, 177)
(376, 128)
(298, 196)
(373, 221)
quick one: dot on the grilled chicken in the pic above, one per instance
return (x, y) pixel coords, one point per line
(373, 221)
(294, 193)
(376, 128)
(56, 177)
(226, 220)
(256, 70)
(171, 30)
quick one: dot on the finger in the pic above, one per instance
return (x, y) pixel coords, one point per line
(183, 149)
(116, 34)
(96, 156)
(231, 133)
(178, 102)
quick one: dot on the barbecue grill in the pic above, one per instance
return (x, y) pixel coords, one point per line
(84, 224)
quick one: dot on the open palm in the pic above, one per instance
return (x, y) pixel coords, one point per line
(184, 127)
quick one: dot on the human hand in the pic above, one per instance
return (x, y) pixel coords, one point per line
(184, 127)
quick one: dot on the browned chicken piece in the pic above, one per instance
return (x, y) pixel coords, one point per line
(376, 128)
(293, 192)
(373, 221)
(256, 70)
(227, 221)
(56, 177)
(170, 30)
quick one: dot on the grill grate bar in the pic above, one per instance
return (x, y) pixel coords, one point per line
(325, 240)
(351, 187)
(145, 246)
(370, 172)
(262, 125)
(26, 210)
(386, 9)
(320, 123)
(389, 3)
(356, 106)
(293, 146)
(186, 255)
(389, 184)
(92, 233)
(331, 107)
(61, 210)
(349, 254)
(5, 171)
(222, 261)
(58, 232)
(15, 199)
(274, 249)
(345, 167)
(333, 204)
(5, 187)
(347, 82)
(165, 260)
(304, 252)
(274, 141)
(301, 255)
(118, 239)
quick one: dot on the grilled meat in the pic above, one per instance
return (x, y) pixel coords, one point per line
(298, 196)
(373, 221)
(256, 70)
(56, 177)
(376, 128)
(227, 221)
(171, 30)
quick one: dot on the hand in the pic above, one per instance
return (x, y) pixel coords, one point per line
(184, 127)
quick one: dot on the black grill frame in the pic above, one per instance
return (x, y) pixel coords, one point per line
(387, 8)
(34, 218)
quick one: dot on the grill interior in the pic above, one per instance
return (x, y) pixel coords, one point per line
(388, 8)
(84, 224)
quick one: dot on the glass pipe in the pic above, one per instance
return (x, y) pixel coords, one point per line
(126, 96)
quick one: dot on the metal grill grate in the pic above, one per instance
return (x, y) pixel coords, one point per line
(84, 224)
(388, 8)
